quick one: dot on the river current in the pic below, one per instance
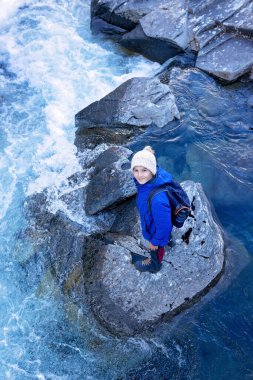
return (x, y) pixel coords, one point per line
(50, 68)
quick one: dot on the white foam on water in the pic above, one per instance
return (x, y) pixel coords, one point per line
(141, 343)
(9, 8)
(166, 351)
(70, 73)
(58, 72)
(9, 181)
(181, 359)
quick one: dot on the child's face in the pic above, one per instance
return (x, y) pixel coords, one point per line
(142, 175)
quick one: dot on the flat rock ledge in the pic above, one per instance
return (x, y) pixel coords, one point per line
(128, 302)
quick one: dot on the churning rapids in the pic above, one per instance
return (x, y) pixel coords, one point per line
(50, 68)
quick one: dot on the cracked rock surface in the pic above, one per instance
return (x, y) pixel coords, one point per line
(220, 33)
(134, 105)
(112, 182)
(126, 301)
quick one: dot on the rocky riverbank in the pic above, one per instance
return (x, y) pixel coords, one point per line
(220, 35)
(88, 244)
(94, 269)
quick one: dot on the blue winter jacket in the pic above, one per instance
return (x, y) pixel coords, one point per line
(156, 226)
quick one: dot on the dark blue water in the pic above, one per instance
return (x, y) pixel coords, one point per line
(51, 67)
(215, 337)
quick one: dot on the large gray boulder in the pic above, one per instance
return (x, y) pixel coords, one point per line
(112, 183)
(155, 29)
(220, 34)
(124, 14)
(126, 301)
(89, 261)
(161, 34)
(127, 220)
(125, 112)
(56, 260)
(168, 23)
(59, 224)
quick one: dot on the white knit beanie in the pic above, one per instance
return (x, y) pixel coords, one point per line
(145, 158)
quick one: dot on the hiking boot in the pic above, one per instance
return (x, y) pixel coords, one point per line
(136, 257)
(150, 264)
(171, 243)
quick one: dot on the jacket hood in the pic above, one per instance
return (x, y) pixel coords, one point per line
(161, 178)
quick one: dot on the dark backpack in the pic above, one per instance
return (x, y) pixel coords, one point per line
(179, 202)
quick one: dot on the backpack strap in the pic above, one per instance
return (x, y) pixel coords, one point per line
(153, 193)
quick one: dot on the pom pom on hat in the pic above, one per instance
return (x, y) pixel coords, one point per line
(145, 158)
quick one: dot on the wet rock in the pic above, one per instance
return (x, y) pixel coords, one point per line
(93, 137)
(151, 48)
(181, 60)
(57, 254)
(108, 157)
(221, 53)
(95, 271)
(125, 112)
(241, 21)
(168, 23)
(127, 220)
(220, 35)
(229, 59)
(126, 301)
(161, 34)
(101, 177)
(66, 248)
(101, 26)
(110, 186)
(124, 14)
(156, 30)
(38, 214)
(111, 181)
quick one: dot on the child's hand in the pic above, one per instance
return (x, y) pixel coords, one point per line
(152, 247)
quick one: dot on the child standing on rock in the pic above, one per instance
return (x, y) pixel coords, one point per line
(156, 225)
